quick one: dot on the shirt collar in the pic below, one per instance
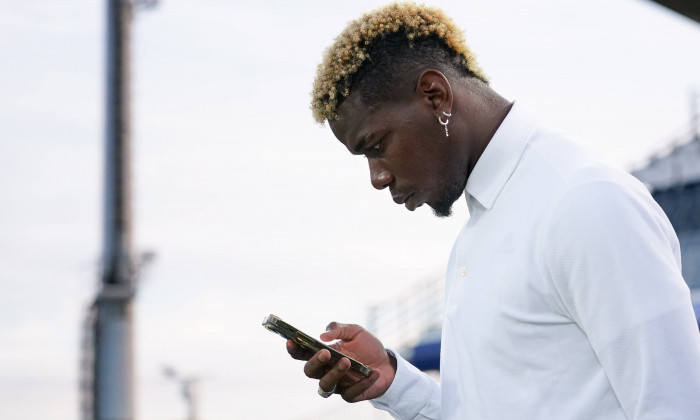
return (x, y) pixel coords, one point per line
(501, 156)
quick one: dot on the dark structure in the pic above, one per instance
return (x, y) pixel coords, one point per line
(688, 8)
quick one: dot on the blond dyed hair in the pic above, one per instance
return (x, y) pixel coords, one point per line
(352, 50)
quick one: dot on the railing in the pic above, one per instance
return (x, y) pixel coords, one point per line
(404, 320)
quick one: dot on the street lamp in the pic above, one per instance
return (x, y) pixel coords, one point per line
(188, 386)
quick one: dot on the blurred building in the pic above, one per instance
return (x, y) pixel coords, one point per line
(674, 181)
(411, 322)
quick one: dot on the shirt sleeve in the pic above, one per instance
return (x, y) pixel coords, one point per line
(412, 395)
(614, 262)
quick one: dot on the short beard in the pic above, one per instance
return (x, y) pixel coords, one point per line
(443, 208)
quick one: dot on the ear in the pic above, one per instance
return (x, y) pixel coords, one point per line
(435, 91)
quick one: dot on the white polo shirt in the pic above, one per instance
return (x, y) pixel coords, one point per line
(564, 295)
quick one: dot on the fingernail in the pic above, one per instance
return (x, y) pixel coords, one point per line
(328, 328)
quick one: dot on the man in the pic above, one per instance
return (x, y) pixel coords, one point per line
(564, 293)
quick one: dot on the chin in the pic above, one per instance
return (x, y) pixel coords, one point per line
(443, 207)
(442, 210)
(451, 193)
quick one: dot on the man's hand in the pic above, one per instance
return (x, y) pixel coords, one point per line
(362, 346)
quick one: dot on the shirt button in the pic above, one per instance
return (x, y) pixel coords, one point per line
(463, 272)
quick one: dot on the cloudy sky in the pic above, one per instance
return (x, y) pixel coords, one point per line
(251, 207)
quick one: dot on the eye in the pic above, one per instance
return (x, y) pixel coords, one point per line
(374, 147)
(374, 151)
(377, 147)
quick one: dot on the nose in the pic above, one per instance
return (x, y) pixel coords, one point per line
(379, 175)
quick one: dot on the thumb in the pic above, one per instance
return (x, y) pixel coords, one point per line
(338, 331)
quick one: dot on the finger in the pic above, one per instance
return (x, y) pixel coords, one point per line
(354, 391)
(317, 365)
(297, 352)
(329, 381)
(338, 331)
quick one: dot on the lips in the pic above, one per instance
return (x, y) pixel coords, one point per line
(409, 200)
(412, 202)
(400, 199)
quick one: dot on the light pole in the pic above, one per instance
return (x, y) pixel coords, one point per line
(188, 386)
(112, 379)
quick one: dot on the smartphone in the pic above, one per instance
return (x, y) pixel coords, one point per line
(305, 341)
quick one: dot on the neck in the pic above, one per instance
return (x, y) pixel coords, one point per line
(478, 112)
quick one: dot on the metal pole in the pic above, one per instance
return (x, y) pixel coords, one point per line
(695, 115)
(189, 392)
(189, 388)
(113, 379)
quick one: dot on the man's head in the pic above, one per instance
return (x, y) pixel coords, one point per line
(386, 50)
(382, 86)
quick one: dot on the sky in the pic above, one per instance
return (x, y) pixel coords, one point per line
(250, 206)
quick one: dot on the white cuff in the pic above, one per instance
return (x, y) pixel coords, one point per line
(412, 394)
